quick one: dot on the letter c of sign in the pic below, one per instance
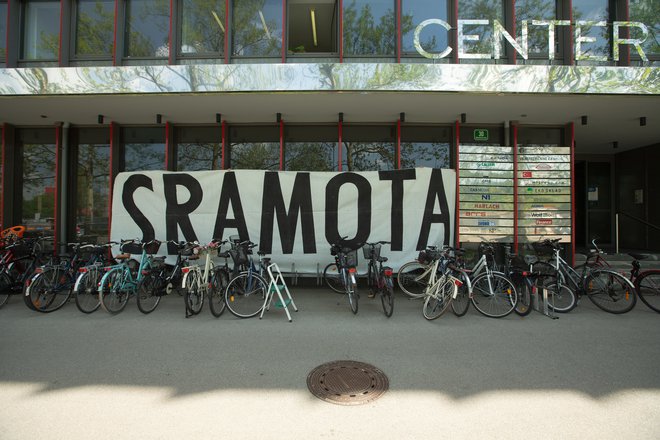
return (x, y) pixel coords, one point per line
(418, 45)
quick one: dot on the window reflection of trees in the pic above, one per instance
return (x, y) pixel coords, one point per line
(255, 155)
(425, 154)
(310, 156)
(257, 27)
(433, 38)
(594, 10)
(369, 27)
(537, 36)
(480, 9)
(203, 26)
(38, 181)
(647, 12)
(3, 32)
(147, 28)
(199, 156)
(144, 156)
(93, 191)
(368, 156)
(94, 27)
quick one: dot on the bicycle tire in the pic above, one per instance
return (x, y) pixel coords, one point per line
(112, 296)
(647, 286)
(351, 292)
(245, 295)
(410, 281)
(5, 288)
(436, 304)
(461, 303)
(499, 302)
(50, 289)
(560, 299)
(387, 296)
(219, 281)
(148, 296)
(610, 291)
(332, 278)
(86, 291)
(193, 294)
(524, 304)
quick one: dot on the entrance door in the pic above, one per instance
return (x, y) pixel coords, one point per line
(599, 203)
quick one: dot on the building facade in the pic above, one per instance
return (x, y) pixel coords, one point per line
(547, 109)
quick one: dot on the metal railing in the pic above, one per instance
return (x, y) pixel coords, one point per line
(642, 221)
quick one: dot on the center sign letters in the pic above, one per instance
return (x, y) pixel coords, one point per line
(292, 216)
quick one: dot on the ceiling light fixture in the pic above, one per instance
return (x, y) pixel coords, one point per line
(217, 20)
(463, 118)
(263, 23)
(584, 120)
(313, 17)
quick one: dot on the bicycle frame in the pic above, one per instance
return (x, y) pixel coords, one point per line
(202, 277)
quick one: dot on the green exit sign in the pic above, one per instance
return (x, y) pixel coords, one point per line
(481, 134)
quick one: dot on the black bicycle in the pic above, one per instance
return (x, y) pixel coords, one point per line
(346, 262)
(379, 277)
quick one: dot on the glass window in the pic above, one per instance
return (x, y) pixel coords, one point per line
(311, 148)
(369, 27)
(202, 27)
(537, 36)
(94, 28)
(257, 28)
(198, 148)
(647, 12)
(425, 147)
(480, 10)
(41, 30)
(254, 148)
(312, 26)
(144, 148)
(593, 11)
(433, 38)
(92, 184)
(38, 163)
(147, 28)
(3, 32)
(368, 148)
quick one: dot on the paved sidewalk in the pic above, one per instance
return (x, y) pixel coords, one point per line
(586, 375)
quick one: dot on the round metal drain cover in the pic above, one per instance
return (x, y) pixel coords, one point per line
(347, 382)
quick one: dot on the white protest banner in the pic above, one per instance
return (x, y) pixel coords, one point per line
(292, 216)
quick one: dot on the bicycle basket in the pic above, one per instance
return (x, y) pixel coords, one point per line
(351, 257)
(368, 251)
(518, 263)
(543, 249)
(187, 250)
(239, 255)
(131, 247)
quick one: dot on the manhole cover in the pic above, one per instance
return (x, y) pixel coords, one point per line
(347, 382)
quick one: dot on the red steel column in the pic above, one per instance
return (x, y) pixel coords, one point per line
(572, 140)
(515, 189)
(457, 214)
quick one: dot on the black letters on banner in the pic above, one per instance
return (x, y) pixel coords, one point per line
(134, 182)
(332, 207)
(436, 192)
(230, 194)
(176, 215)
(273, 203)
(397, 177)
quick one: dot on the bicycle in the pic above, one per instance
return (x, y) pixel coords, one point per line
(20, 257)
(440, 291)
(120, 281)
(379, 277)
(160, 279)
(346, 261)
(220, 277)
(412, 276)
(607, 289)
(85, 289)
(51, 286)
(196, 279)
(488, 290)
(646, 282)
(246, 291)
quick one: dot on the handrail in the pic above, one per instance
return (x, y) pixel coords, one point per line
(644, 222)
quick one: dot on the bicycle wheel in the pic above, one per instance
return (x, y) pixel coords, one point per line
(5, 288)
(86, 291)
(461, 303)
(524, 305)
(413, 279)
(113, 295)
(387, 296)
(193, 295)
(245, 295)
(351, 292)
(332, 278)
(494, 295)
(560, 299)
(610, 291)
(148, 296)
(50, 289)
(647, 286)
(436, 304)
(217, 302)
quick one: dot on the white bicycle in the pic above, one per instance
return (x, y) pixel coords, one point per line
(196, 281)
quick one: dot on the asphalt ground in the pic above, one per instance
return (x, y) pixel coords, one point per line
(586, 375)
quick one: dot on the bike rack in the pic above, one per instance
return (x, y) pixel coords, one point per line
(540, 304)
(277, 285)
